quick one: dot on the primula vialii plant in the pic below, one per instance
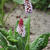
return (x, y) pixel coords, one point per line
(17, 41)
(20, 38)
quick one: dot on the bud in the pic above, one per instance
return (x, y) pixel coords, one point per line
(21, 28)
(21, 22)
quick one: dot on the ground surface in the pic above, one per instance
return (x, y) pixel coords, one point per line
(40, 22)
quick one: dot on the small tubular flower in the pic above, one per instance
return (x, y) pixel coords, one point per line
(21, 28)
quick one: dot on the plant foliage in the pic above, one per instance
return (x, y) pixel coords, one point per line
(15, 41)
(41, 4)
(10, 41)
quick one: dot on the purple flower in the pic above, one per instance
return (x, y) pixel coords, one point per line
(28, 6)
(21, 28)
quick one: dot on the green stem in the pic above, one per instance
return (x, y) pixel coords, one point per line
(2, 14)
(2, 11)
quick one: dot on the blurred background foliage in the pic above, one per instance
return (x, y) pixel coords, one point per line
(38, 4)
(41, 4)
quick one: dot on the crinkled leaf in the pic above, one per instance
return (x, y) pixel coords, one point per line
(4, 32)
(3, 41)
(12, 39)
(41, 42)
(10, 47)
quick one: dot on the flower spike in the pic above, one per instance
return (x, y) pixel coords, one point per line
(28, 6)
(21, 28)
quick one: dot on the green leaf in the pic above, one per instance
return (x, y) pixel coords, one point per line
(19, 1)
(16, 24)
(3, 41)
(16, 33)
(27, 46)
(20, 43)
(27, 36)
(1, 48)
(40, 4)
(10, 47)
(49, 6)
(10, 32)
(9, 38)
(27, 28)
(41, 42)
(34, 1)
(5, 48)
(4, 32)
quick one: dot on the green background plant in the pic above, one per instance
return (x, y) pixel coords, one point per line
(41, 4)
(2, 13)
